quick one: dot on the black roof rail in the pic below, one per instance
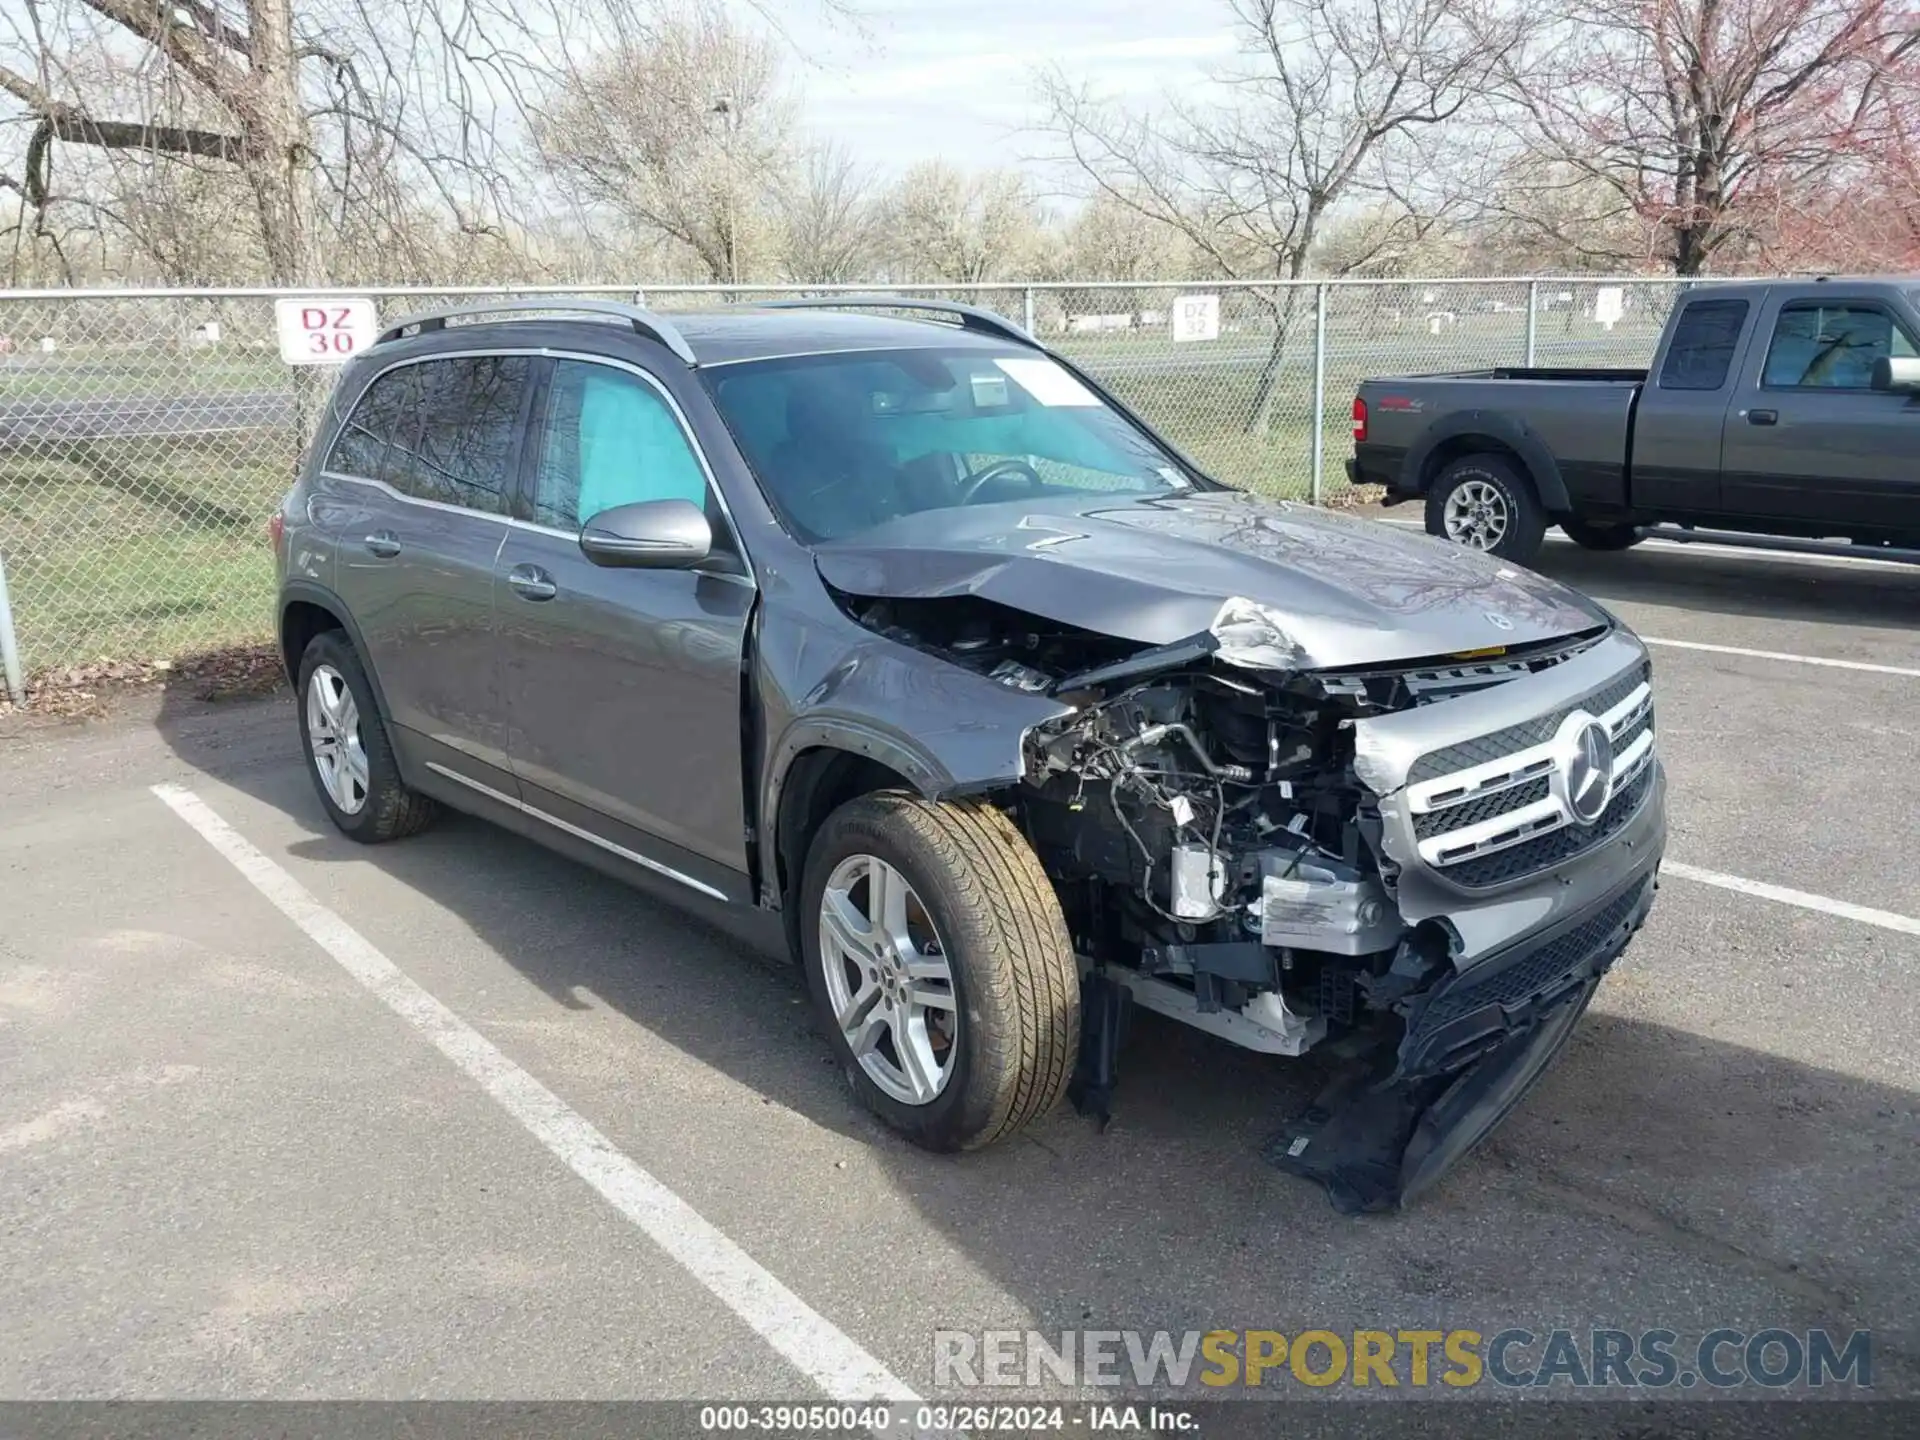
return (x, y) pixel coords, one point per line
(971, 317)
(654, 327)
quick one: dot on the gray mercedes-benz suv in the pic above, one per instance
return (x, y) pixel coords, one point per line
(872, 626)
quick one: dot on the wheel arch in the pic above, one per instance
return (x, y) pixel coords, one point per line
(307, 610)
(1483, 432)
(813, 783)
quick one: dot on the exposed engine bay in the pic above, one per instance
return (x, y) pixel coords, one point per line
(1219, 860)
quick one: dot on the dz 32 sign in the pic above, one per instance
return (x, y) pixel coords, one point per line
(324, 331)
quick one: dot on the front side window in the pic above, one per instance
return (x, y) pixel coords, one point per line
(1703, 344)
(1832, 347)
(844, 442)
(440, 430)
(610, 439)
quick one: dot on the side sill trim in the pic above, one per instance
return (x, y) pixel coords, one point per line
(574, 830)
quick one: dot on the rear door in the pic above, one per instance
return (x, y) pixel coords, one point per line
(623, 687)
(1683, 409)
(429, 455)
(1809, 439)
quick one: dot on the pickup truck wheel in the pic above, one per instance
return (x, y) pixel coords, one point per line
(1481, 502)
(348, 753)
(940, 967)
(1602, 537)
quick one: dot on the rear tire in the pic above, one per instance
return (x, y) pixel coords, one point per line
(349, 757)
(1602, 537)
(1484, 503)
(984, 920)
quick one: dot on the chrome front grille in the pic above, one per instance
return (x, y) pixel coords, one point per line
(1511, 791)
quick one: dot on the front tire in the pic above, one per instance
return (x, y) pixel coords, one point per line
(940, 967)
(1602, 537)
(348, 754)
(1484, 503)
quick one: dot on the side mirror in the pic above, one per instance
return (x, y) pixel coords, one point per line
(648, 535)
(1898, 373)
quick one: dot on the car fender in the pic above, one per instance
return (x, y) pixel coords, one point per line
(314, 593)
(1509, 432)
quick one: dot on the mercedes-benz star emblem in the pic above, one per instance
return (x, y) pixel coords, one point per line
(1497, 620)
(1589, 772)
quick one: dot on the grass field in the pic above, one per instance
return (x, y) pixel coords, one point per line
(82, 376)
(142, 550)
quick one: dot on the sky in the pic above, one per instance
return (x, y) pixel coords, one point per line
(909, 80)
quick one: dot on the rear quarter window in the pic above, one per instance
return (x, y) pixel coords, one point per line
(1704, 339)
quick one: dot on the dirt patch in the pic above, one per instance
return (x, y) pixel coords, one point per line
(88, 692)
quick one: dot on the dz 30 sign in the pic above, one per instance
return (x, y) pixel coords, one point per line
(323, 331)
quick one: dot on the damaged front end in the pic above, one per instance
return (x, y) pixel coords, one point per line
(1422, 869)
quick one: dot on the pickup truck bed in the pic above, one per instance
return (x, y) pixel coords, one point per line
(1781, 409)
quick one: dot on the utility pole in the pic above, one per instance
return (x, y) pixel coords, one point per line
(724, 108)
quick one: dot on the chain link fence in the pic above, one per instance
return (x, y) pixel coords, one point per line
(146, 436)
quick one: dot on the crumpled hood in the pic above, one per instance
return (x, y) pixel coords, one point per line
(1345, 591)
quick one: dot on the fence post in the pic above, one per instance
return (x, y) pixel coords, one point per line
(9, 646)
(1319, 386)
(1027, 309)
(1533, 319)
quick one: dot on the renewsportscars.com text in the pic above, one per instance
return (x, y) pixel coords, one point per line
(1772, 1358)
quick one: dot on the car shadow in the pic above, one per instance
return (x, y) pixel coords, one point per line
(1657, 1177)
(1764, 587)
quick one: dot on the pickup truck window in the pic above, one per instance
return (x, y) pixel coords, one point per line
(1832, 347)
(1703, 344)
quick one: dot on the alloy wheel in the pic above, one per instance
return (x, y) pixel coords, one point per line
(1476, 515)
(333, 739)
(888, 978)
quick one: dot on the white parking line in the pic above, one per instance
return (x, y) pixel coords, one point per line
(1707, 547)
(814, 1345)
(1783, 655)
(1780, 894)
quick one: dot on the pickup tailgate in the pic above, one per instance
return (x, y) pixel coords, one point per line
(1581, 418)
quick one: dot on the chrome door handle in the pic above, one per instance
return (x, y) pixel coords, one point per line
(530, 582)
(383, 543)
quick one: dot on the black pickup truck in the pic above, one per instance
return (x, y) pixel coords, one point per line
(1786, 409)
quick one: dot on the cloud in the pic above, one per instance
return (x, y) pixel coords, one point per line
(950, 78)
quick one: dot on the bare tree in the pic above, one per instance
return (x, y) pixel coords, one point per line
(946, 224)
(829, 230)
(1696, 122)
(683, 129)
(1109, 240)
(1326, 105)
(245, 66)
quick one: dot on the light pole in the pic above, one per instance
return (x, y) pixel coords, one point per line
(723, 107)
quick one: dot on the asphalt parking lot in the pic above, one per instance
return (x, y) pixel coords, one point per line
(239, 1159)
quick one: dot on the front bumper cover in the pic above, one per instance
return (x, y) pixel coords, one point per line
(1396, 1120)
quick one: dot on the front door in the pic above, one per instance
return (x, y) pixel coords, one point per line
(420, 481)
(623, 687)
(1812, 442)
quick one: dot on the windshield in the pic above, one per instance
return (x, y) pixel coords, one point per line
(842, 443)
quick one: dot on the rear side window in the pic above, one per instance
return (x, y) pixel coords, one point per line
(1832, 347)
(440, 430)
(1703, 343)
(610, 439)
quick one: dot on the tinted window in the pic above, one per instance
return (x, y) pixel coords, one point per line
(439, 430)
(610, 439)
(1703, 343)
(470, 411)
(1832, 347)
(847, 441)
(388, 414)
